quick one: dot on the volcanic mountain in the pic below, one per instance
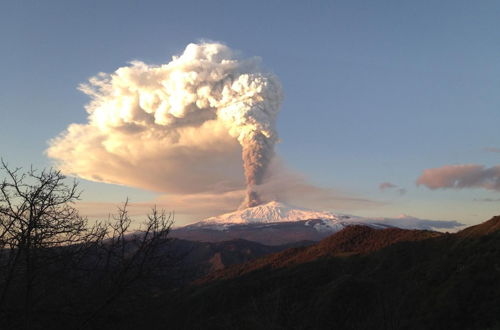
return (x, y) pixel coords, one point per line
(277, 223)
(267, 213)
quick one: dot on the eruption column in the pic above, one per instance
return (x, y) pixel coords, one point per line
(163, 125)
(257, 153)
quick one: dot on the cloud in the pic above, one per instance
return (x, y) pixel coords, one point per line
(199, 129)
(189, 206)
(202, 205)
(492, 149)
(409, 222)
(461, 176)
(402, 191)
(287, 186)
(176, 128)
(486, 200)
(280, 184)
(388, 186)
(153, 161)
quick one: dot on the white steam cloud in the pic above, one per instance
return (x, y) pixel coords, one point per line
(184, 127)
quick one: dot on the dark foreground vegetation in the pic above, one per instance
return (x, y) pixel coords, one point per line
(57, 271)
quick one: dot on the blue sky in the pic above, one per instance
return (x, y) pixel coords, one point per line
(373, 91)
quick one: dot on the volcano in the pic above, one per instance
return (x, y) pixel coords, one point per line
(268, 213)
(277, 223)
(273, 223)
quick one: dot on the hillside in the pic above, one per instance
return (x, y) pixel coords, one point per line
(357, 278)
(356, 239)
(422, 281)
(198, 259)
(488, 227)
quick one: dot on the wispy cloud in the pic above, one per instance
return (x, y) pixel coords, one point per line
(409, 222)
(486, 199)
(492, 149)
(281, 184)
(461, 176)
(386, 185)
(389, 186)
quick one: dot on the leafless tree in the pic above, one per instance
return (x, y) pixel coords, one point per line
(128, 260)
(36, 214)
(53, 261)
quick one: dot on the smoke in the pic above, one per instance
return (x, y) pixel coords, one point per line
(286, 185)
(257, 154)
(280, 183)
(184, 127)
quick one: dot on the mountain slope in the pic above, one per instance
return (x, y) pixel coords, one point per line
(488, 227)
(276, 233)
(451, 281)
(356, 239)
(197, 259)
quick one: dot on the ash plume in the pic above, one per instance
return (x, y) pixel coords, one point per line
(257, 154)
(183, 127)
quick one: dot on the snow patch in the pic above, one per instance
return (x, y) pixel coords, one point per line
(268, 213)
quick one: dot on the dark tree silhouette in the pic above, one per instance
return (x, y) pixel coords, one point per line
(36, 214)
(55, 265)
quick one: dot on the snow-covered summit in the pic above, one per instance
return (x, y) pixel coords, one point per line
(269, 213)
(277, 223)
(277, 212)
